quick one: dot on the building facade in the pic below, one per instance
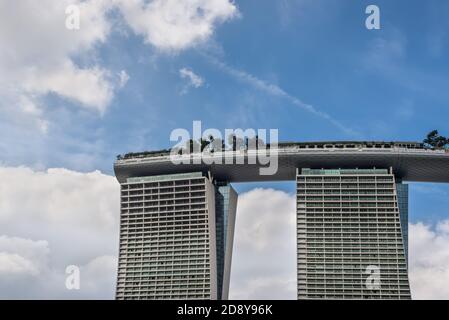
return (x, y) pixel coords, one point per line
(177, 220)
(176, 236)
(350, 239)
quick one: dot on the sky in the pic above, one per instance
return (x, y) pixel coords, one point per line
(71, 100)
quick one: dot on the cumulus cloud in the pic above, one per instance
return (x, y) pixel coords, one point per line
(55, 218)
(36, 56)
(175, 25)
(52, 219)
(20, 256)
(264, 259)
(40, 56)
(429, 260)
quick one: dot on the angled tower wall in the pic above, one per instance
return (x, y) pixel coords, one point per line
(176, 235)
(350, 241)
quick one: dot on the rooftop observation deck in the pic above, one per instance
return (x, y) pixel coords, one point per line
(410, 161)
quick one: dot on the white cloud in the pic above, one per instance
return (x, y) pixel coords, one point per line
(264, 264)
(22, 256)
(429, 260)
(193, 79)
(40, 56)
(74, 218)
(12, 263)
(175, 25)
(55, 218)
(264, 259)
(36, 56)
(27, 195)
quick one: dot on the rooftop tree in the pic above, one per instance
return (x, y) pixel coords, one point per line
(436, 141)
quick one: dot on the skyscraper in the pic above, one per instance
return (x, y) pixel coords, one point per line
(177, 220)
(176, 235)
(350, 239)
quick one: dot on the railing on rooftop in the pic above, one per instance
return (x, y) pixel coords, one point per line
(297, 146)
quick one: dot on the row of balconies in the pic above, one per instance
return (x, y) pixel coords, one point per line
(169, 207)
(302, 199)
(339, 192)
(346, 227)
(158, 280)
(157, 239)
(347, 254)
(350, 227)
(185, 260)
(174, 256)
(352, 277)
(321, 245)
(344, 179)
(334, 263)
(176, 234)
(155, 295)
(201, 272)
(348, 292)
(331, 296)
(167, 245)
(354, 251)
(166, 183)
(348, 235)
(350, 204)
(192, 187)
(167, 290)
(175, 276)
(166, 218)
(154, 246)
(166, 235)
(161, 215)
(183, 195)
(159, 184)
(167, 267)
(365, 257)
(155, 224)
(146, 253)
(332, 218)
(164, 257)
(195, 243)
(347, 212)
(303, 269)
(307, 186)
(153, 232)
(330, 286)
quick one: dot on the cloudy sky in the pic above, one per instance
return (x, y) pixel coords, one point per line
(135, 70)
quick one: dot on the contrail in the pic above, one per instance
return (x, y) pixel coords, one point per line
(279, 92)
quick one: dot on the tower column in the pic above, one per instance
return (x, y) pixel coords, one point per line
(350, 242)
(169, 247)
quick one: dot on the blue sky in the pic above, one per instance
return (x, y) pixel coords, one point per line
(258, 63)
(387, 84)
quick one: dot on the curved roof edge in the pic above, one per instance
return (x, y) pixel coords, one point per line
(409, 161)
